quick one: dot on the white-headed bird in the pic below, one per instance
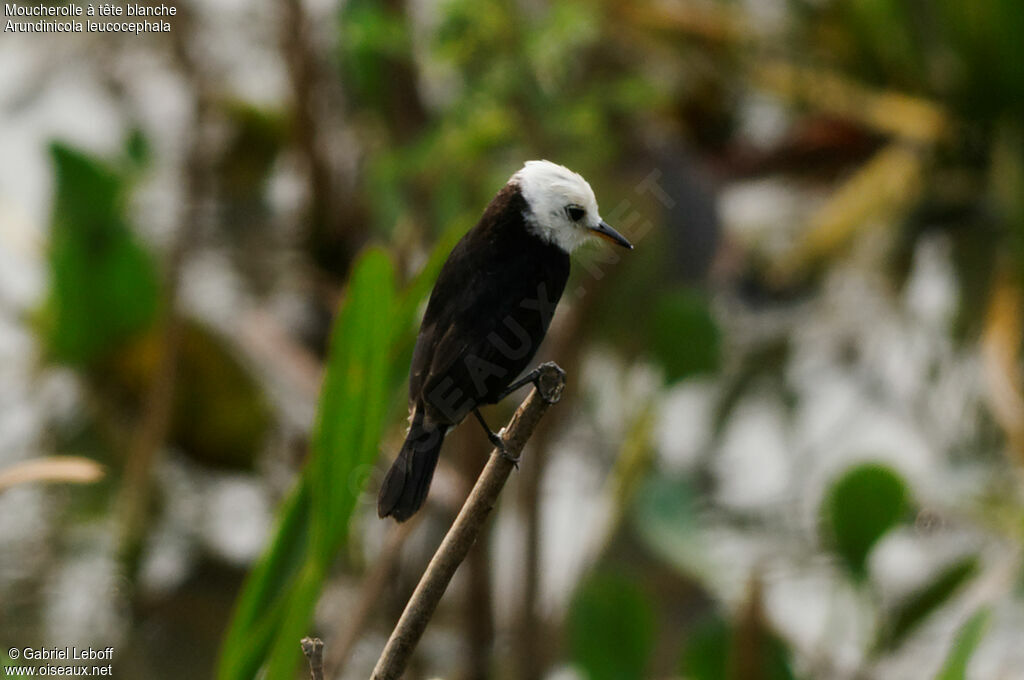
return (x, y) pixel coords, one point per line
(487, 315)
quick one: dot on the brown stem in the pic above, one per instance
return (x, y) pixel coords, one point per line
(155, 420)
(331, 214)
(313, 649)
(467, 526)
(146, 441)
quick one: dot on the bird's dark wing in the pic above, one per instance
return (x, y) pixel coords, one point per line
(487, 315)
(450, 300)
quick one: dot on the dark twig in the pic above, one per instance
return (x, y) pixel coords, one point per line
(313, 648)
(467, 526)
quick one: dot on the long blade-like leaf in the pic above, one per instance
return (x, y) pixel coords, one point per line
(276, 605)
(370, 347)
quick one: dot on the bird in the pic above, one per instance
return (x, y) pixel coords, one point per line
(487, 314)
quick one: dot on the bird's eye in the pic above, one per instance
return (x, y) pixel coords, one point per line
(575, 212)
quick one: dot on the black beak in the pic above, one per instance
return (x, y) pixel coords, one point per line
(609, 234)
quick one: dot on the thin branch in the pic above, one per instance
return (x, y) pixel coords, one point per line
(467, 526)
(313, 649)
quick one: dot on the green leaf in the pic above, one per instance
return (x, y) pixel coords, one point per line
(611, 628)
(706, 654)
(966, 642)
(919, 605)
(684, 336)
(277, 602)
(267, 588)
(137, 150)
(886, 31)
(353, 399)
(710, 651)
(369, 354)
(860, 508)
(220, 414)
(103, 284)
(373, 43)
(664, 517)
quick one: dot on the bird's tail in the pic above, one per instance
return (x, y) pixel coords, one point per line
(407, 482)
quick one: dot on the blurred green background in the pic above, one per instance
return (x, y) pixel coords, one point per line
(793, 438)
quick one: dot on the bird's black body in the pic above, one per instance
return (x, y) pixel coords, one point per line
(487, 315)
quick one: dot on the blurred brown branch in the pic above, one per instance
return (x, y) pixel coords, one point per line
(331, 216)
(467, 526)
(887, 183)
(1000, 351)
(708, 21)
(914, 119)
(68, 469)
(155, 421)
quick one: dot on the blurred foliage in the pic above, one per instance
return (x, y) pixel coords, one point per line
(369, 352)
(101, 316)
(664, 516)
(520, 85)
(137, 149)
(611, 628)
(220, 415)
(104, 285)
(373, 38)
(912, 112)
(711, 654)
(862, 505)
(967, 639)
(962, 56)
(256, 139)
(638, 285)
(763, 364)
(912, 611)
(1007, 179)
(962, 53)
(275, 608)
(684, 336)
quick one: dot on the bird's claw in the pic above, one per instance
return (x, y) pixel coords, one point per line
(503, 452)
(549, 379)
(502, 449)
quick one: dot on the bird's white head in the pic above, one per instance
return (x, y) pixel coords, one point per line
(562, 207)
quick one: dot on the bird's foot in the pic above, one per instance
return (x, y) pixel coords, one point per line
(548, 378)
(496, 439)
(499, 445)
(549, 381)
